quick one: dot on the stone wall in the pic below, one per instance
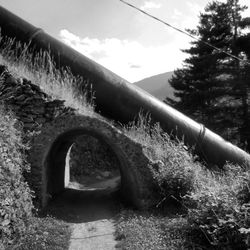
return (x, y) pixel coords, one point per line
(29, 103)
(34, 108)
(51, 128)
(50, 147)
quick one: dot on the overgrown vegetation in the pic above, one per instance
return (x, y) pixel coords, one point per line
(43, 233)
(15, 195)
(147, 230)
(19, 226)
(215, 203)
(174, 168)
(19, 229)
(40, 69)
(219, 209)
(218, 85)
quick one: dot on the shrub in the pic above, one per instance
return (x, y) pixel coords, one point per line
(15, 195)
(174, 168)
(219, 209)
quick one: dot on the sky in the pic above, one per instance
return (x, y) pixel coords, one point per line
(116, 36)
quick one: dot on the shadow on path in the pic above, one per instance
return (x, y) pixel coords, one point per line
(91, 214)
(77, 206)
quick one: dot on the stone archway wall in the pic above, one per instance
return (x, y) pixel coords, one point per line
(50, 146)
(49, 127)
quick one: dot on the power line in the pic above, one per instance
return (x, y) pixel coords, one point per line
(184, 32)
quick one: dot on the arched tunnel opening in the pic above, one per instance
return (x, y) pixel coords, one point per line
(91, 165)
(86, 167)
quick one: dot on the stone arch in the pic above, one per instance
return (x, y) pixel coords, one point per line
(55, 161)
(49, 148)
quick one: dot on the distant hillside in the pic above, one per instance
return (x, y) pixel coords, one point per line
(158, 85)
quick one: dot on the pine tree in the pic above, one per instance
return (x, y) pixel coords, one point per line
(205, 88)
(243, 45)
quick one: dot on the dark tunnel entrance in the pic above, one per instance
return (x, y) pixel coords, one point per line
(61, 171)
(91, 165)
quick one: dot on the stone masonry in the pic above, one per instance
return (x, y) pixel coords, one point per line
(29, 103)
(51, 128)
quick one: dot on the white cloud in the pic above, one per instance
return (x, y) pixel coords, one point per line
(150, 5)
(177, 14)
(129, 59)
(195, 7)
(192, 20)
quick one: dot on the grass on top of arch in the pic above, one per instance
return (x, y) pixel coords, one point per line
(40, 69)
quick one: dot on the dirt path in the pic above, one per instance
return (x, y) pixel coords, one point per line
(91, 216)
(95, 235)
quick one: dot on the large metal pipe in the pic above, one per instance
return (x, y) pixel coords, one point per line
(120, 100)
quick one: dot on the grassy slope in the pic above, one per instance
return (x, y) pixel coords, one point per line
(214, 205)
(60, 85)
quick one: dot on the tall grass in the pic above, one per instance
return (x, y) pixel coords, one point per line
(216, 201)
(40, 69)
(174, 168)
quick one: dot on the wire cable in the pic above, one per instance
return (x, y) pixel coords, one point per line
(184, 32)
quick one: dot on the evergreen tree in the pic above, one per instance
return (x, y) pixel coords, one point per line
(205, 88)
(243, 45)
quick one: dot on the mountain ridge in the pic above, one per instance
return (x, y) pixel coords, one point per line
(158, 85)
